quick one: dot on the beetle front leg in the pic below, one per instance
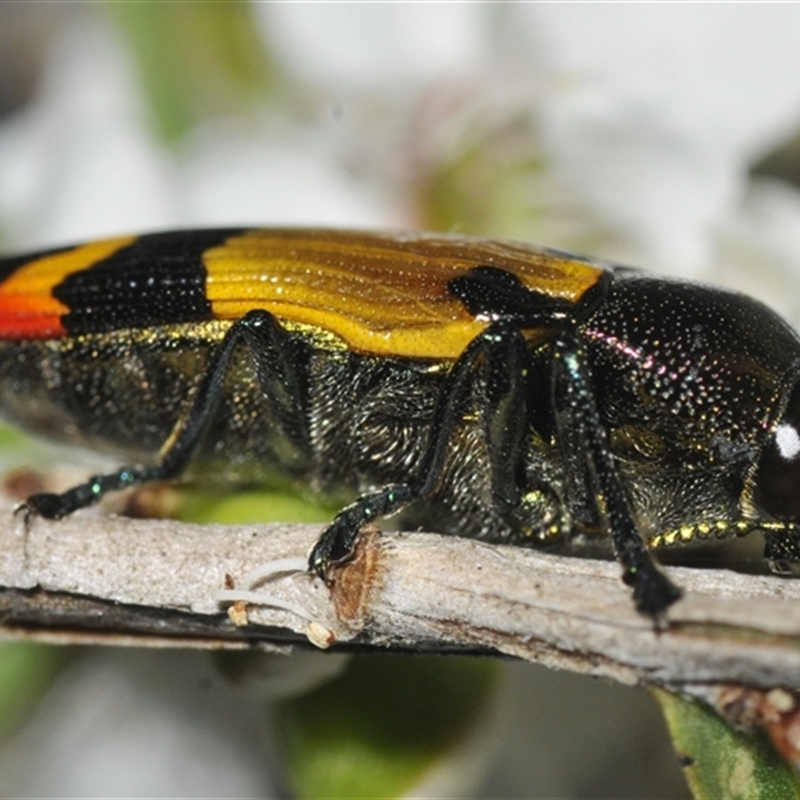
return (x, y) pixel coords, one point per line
(782, 552)
(575, 405)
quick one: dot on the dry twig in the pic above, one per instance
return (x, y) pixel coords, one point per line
(116, 580)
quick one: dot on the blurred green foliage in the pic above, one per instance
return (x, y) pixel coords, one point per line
(720, 762)
(196, 61)
(241, 508)
(26, 671)
(376, 730)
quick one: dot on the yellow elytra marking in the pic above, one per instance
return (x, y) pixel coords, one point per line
(28, 291)
(382, 294)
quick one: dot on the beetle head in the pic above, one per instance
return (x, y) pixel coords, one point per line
(777, 479)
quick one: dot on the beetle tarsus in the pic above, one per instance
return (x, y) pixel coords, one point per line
(653, 592)
(335, 546)
(46, 505)
(338, 541)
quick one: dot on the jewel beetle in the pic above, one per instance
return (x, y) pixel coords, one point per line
(483, 387)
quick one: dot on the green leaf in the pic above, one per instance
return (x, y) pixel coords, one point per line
(13, 438)
(722, 762)
(26, 671)
(242, 508)
(385, 725)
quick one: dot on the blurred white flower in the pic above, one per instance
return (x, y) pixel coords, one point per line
(656, 112)
(378, 47)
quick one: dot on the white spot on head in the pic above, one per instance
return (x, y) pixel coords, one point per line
(788, 441)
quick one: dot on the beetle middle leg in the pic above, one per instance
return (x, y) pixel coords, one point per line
(501, 353)
(274, 363)
(576, 410)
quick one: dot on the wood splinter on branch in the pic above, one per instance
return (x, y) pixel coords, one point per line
(158, 583)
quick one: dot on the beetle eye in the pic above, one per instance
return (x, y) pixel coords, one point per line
(777, 486)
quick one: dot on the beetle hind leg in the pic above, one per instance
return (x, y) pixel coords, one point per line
(57, 506)
(266, 341)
